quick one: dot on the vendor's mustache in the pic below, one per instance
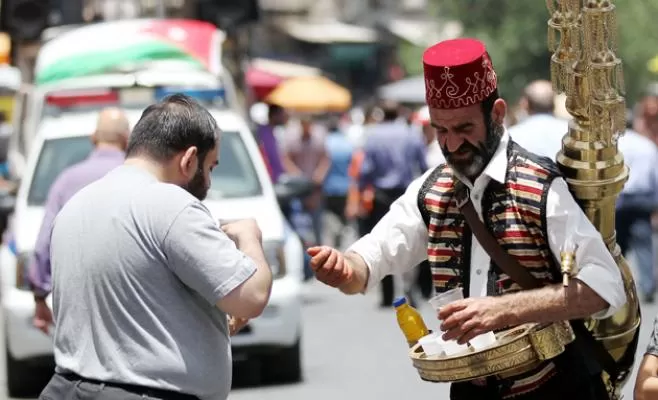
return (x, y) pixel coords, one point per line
(465, 147)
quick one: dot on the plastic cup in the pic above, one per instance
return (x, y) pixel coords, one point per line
(483, 341)
(450, 347)
(431, 344)
(446, 298)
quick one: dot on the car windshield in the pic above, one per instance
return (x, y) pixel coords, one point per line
(234, 177)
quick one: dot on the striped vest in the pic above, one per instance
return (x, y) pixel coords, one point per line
(514, 212)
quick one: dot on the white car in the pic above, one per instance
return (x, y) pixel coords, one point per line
(35, 103)
(241, 188)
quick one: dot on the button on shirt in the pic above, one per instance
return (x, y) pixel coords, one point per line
(68, 183)
(399, 241)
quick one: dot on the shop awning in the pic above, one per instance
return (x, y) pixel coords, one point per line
(408, 90)
(422, 32)
(326, 31)
(263, 75)
(283, 68)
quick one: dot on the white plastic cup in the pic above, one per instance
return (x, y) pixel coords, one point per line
(431, 344)
(483, 341)
(446, 298)
(452, 348)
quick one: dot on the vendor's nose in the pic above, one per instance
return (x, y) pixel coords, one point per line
(452, 142)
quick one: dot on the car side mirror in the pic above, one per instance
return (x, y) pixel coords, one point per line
(290, 187)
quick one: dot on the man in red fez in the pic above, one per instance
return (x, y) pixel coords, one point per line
(524, 203)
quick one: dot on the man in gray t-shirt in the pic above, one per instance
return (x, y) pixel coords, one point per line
(143, 277)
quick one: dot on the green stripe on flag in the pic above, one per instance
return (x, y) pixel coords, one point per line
(96, 62)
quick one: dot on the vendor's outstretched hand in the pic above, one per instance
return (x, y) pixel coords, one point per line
(329, 266)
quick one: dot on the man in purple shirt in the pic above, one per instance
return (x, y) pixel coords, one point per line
(110, 139)
(267, 141)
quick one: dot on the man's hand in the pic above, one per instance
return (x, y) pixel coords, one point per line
(329, 266)
(235, 324)
(243, 230)
(43, 317)
(465, 319)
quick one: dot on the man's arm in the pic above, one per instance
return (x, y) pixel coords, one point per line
(39, 271)
(322, 168)
(597, 290)
(552, 303)
(204, 258)
(287, 157)
(396, 244)
(646, 383)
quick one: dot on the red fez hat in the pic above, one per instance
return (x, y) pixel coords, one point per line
(458, 73)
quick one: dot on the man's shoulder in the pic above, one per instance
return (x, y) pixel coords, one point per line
(536, 123)
(637, 143)
(541, 165)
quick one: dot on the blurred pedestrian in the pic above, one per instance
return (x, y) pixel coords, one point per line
(635, 206)
(305, 154)
(433, 154)
(540, 132)
(110, 140)
(268, 143)
(646, 381)
(646, 116)
(337, 182)
(393, 156)
(144, 278)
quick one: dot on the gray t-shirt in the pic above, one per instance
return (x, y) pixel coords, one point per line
(138, 266)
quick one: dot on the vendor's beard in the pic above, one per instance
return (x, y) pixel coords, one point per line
(480, 155)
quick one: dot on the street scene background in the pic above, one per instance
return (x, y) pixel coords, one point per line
(352, 347)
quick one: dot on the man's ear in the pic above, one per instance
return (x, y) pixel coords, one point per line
(189, 162)
(499, 111)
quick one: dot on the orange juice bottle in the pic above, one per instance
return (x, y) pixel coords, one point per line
(410, 321)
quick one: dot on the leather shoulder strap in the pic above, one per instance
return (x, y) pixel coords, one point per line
(503, 260)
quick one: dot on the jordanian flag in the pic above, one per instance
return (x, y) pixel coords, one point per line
(102, 47)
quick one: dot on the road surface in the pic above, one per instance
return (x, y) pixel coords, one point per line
(353, 350)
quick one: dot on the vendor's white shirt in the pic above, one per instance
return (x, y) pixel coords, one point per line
(399, 241)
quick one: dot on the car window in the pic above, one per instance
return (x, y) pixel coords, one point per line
(234, 177)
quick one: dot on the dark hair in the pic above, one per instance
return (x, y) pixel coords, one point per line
(173, 125)
(333, 123)
(274, 110)
(487, 106)
(391, 110)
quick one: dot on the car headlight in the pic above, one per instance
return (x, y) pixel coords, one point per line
(23, 261)
(275, 256)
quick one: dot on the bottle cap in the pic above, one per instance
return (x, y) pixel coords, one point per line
(399, 301)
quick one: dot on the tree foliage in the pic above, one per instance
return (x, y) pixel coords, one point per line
(515, 32)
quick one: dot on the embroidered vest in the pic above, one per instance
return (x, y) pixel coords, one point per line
(514, 212)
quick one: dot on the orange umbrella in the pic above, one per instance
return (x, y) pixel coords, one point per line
(311, 94)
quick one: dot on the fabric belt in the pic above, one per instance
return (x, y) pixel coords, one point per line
(134, 389)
